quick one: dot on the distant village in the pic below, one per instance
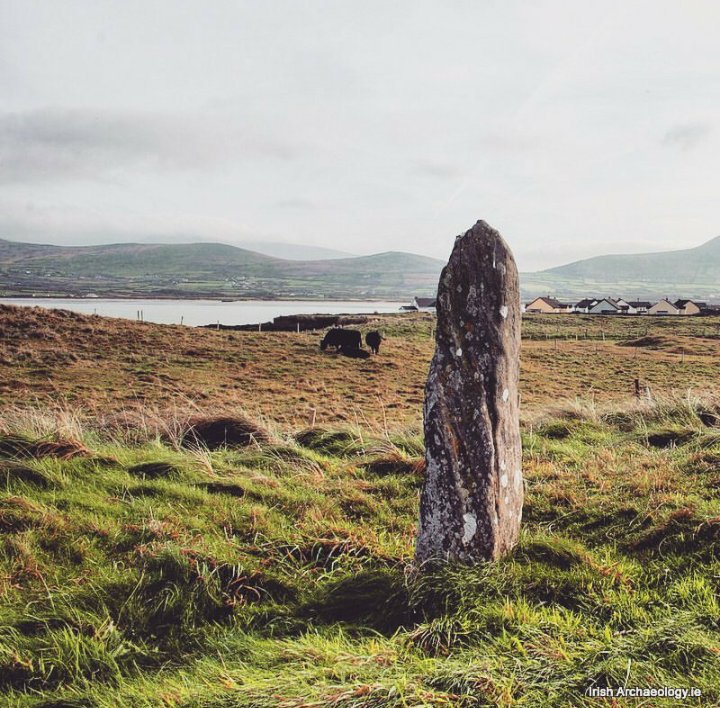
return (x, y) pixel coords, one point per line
(547, 305)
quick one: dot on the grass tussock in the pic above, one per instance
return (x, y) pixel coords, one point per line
(217, 432)
(339, 443)
(14, 445)
(396, 463)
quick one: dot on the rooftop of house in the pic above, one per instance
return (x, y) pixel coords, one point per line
(682, 304)
(610, 301)
(551, 301)
(425, 301)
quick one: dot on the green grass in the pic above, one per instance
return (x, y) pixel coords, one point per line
(134, 573)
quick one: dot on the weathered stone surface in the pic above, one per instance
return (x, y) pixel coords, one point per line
(471, 502)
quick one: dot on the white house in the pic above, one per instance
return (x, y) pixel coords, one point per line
(606, 306)
(622, 305)
(584, 305)
(424, 304)
(639, 307)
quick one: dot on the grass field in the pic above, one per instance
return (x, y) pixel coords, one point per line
(138, 569)
(107, 367)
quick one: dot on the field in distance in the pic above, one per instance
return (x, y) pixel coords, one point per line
(110, 365)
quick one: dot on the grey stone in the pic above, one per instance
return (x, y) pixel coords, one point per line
(471, 503)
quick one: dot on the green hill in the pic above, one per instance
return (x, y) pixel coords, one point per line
(220, 270)
(692, 265)
(208, 269)
(124, 259)
(690, 272)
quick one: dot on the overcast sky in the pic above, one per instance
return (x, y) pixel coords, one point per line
(575, 128)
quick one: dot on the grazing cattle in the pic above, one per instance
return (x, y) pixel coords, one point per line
(373, 339)
(341, 338)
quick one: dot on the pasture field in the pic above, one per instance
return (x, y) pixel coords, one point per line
(110, 366)
(138, 568)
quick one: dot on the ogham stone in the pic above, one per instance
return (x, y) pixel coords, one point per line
(471, 503)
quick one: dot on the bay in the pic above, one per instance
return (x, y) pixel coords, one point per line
(202, 312)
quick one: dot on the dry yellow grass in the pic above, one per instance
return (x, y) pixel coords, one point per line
(109, 365)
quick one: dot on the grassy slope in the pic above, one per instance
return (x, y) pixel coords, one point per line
(570, 288)
(279, 575)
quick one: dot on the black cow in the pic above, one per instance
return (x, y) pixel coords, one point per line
(341, 338)
(373, 339)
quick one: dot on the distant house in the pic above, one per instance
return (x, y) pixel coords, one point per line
(606, 306)
(619, 306)
(547, 306)
(689, 307)
(584, 305)
(639, 307)
(623, 306)
(424, 304)
(664, 307)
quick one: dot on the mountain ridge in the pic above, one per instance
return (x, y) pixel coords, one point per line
(217, 269)
(689, 272)
(207, 269)
(584, 264)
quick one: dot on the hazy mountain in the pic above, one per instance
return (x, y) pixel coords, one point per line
(692, 272)
(294, 251)
(699, 264)
(124, 259)
(277, 249)
(208, 269)
(220, 270)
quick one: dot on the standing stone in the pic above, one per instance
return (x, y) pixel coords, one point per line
(471, 502)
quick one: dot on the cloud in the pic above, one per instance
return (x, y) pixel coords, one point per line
(686, 136)
(296, 203)
(81, 224)
(69, 144)
(438, 170)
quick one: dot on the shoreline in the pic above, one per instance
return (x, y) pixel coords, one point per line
(196, 299)
(205, 312)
